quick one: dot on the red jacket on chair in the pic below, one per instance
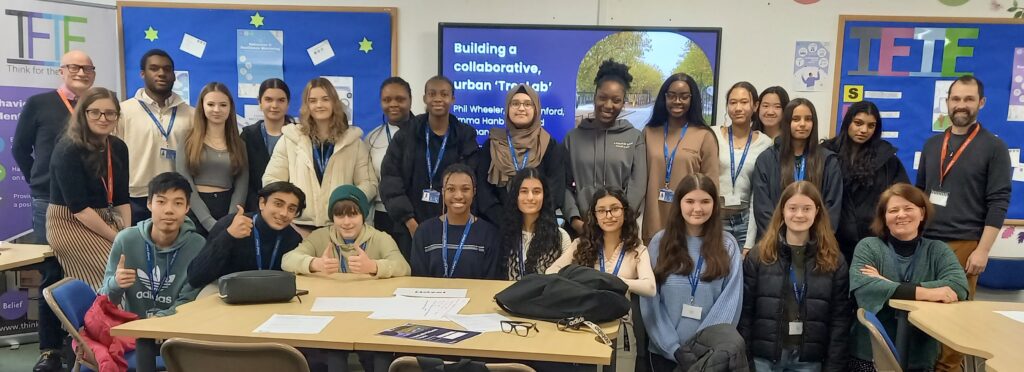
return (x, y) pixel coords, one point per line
(109, 350)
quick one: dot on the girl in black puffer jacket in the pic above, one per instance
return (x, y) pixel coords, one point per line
(796, 285)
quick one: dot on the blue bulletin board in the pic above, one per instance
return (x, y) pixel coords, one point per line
(905, 66)
(240, 46)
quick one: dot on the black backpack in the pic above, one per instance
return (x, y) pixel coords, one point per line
(575, 291)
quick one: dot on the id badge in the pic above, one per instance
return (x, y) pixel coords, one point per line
(692, 312)
(167, 153)
(732, 201)
(796, 328)
(431, 196)
(938, 198)
(666, 195)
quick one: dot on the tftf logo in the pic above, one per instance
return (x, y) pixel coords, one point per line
(43, 37)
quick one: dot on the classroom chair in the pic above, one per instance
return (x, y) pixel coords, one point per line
(184, 355)
(1003, 273)
(883, 351)
(70, 299)
(410, 364)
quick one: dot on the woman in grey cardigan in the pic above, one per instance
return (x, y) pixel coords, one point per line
(901, 264)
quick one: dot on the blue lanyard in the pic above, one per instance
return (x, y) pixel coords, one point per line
(695, 278)
(622, 254)
(458, 251)
(322, 157)
(259, 250)
(800, 292)
(432, 168)
(344, 262)
(733, 169)
(156, 285)
(801, 169)
(907, 275)
(512, 152)
(669, 161)
(387, 129)
(266, 137)
(170, 126)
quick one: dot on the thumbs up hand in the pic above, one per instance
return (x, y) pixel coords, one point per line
(241, 226)
(125, 277)
(326, 263)
(361, 263)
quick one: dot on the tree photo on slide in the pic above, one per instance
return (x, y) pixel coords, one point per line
(651, 57)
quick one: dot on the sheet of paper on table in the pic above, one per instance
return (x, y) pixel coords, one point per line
(431, 292)
(479, 322)
(367, 304)
(423, 309)
(1015, 315)
(303, 324)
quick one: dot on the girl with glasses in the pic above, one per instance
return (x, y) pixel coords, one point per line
(89, 188)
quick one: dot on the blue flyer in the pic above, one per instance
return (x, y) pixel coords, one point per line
(260, 57)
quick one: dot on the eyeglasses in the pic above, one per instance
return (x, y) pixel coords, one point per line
(76, 68)
(521, 329)
(672, 97)
(525, 105)
(613, 212)
(577, 322)
(96, 114)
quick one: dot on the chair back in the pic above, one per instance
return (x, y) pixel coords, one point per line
(410, 364)
(181, 355)
(883, 350)
(1003, 274)
(70, 299)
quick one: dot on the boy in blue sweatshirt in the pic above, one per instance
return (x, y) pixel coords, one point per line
(146, 271)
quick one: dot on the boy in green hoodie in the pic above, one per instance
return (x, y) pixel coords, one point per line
(146, 271)
(348, 245)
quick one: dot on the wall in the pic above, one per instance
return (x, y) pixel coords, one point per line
(757, 38)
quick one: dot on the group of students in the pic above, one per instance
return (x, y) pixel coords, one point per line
(776, 245)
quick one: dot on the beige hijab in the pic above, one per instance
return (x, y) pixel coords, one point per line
(533, 139)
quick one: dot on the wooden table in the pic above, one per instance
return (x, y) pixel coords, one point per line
(18, 255)
(209, 318)
(973, 328)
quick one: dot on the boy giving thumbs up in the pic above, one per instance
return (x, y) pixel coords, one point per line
(348, 245)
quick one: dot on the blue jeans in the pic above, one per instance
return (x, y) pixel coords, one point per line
(39, 220)
(736, 224)
(790, 362)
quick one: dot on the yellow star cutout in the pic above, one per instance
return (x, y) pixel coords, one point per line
(151, 34)
(365, 46)
(256, 20)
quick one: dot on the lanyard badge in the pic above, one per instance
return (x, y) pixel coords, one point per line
(666, 194)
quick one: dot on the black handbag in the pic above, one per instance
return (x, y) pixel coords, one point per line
(576, 291)
(257, 286)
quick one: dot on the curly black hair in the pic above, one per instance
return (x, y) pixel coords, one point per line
(546, 245)
(613, 71)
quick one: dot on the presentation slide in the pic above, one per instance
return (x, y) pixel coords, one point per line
(560, 62)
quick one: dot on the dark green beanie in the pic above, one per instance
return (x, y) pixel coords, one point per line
(349, 192)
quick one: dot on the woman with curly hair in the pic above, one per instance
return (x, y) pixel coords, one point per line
(610, 242)
(530, 235)
(869, 166)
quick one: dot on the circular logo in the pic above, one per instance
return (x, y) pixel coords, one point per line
(13, 304)
(3, 172)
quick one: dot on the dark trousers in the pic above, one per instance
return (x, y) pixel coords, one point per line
(660, 364)
(640, 335)
(218, 203)
(398, 232)
(51, 335)
(140, 212)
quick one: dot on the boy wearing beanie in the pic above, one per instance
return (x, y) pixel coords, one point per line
(348, 245)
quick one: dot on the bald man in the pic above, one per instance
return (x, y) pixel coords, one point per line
(41, 124)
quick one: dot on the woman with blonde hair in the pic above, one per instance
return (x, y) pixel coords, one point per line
(213, 159)
(88, 188)
(320, 153)
(796, 289)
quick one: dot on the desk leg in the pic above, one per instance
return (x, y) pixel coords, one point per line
(145, 355)
(902, 339)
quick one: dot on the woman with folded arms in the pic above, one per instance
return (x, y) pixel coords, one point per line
(698, 269)
(531, 236)
(900, 264)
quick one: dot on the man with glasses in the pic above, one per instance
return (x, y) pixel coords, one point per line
(41, 123)
(152, 122)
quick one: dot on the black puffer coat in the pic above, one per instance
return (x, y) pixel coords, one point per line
(824, 311)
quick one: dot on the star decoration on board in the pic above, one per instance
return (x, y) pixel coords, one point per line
(151, 34)
(365, 46)
(256, 20)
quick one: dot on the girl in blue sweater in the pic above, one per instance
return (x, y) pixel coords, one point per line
(697, 268)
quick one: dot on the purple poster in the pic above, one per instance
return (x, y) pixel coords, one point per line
(15, 201)
(1016, 109)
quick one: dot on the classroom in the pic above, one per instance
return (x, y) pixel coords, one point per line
(402, 185)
